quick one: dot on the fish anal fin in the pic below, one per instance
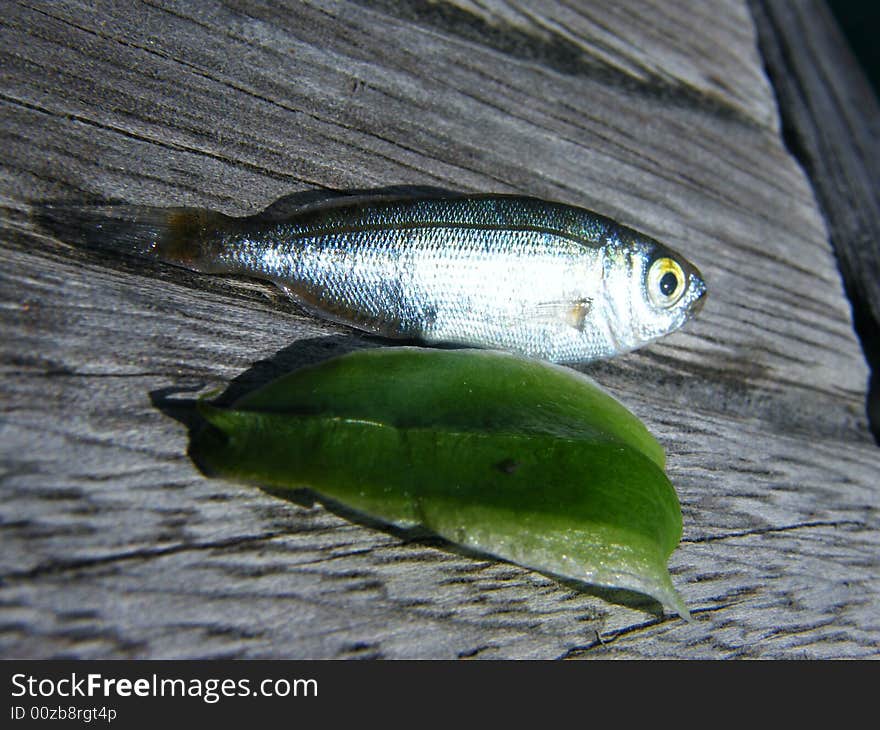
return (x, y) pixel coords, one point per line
(313, 303)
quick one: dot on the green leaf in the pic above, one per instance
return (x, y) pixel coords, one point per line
(513, 457)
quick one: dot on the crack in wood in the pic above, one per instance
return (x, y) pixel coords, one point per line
(771, 530)
(63, 566)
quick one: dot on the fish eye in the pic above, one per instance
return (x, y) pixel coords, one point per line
(666, 282)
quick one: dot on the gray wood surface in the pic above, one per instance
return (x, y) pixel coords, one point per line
(655, 113)
(833, 121)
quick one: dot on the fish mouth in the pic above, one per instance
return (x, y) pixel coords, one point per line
(700, 290)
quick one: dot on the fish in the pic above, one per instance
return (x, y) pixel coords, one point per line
(543, 279)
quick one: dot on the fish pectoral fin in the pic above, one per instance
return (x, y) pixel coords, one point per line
(573, 311)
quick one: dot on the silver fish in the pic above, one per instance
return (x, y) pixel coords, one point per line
(543, 279)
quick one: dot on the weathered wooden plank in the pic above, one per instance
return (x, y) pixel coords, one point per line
(643, 45)
(833, 121)
(114, 545)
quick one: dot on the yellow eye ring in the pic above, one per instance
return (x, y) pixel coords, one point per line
(666, 282)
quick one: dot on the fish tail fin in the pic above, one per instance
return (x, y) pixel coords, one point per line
(179, 236)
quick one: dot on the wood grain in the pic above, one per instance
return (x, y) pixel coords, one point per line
(115, 545)
(832, 119)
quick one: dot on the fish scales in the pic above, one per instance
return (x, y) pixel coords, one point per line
(428, 283)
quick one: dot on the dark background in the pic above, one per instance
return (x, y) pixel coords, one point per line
(859, 21)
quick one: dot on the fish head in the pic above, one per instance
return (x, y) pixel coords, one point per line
(656, 291)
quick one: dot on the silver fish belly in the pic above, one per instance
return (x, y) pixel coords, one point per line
(543, 279)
